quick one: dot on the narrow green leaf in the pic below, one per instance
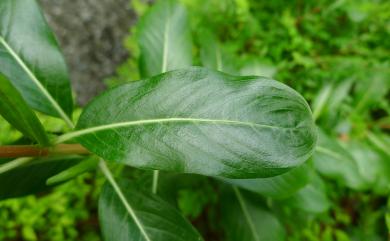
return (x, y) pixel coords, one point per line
(74, 171)
(127, 214)
(15, 110)
(164, 38)
(244, 219)
(321, 100)
(200, 121)
(28, 176)
(31, 59)
(277, 187)
(339, 94)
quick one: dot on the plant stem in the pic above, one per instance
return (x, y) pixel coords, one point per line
(36, 151)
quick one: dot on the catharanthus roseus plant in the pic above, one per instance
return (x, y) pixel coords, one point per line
(245, 131)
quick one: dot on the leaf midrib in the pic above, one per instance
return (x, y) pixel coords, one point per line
(35, 80)
(164, 64)
(244, 209)
(86, 131)
(331, 153)
(123, 199)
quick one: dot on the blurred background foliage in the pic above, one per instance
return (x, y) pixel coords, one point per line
(335, 53)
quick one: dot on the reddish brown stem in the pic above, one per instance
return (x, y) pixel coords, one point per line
(35, 151)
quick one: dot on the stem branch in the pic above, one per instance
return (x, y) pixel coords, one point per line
(35, 151)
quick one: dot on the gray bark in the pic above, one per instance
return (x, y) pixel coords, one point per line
(91, 34)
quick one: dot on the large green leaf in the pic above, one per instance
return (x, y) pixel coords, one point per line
(138, 215)
(31, 59)
(374, 166)
(15, 110)
(200, 121)
(334, 161)
(311, 198)
(244, 219)
(164, 38)
(30, 175)
(277, 187)
(356, 164)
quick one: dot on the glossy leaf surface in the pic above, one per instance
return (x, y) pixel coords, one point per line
(244, 219)
(280, 186)
(164, 38)
(31, 59)
(16, 111)
(145, 217)
(200, 121)
(31, 177)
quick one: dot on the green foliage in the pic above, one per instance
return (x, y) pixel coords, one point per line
(31, 59)
(16, 111)
(147, 217)
(334, 54)
(67, 213)
(164, 39)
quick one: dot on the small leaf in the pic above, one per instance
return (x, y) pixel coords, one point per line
(30, 176)
(320, 101)
(31, 59)
(141, 216)
(277, 187)
(200, 121)
(164, 38)
(15, 110)
(74, 171)
(244, 219)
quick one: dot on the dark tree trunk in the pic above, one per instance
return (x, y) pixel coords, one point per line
(91, 34)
